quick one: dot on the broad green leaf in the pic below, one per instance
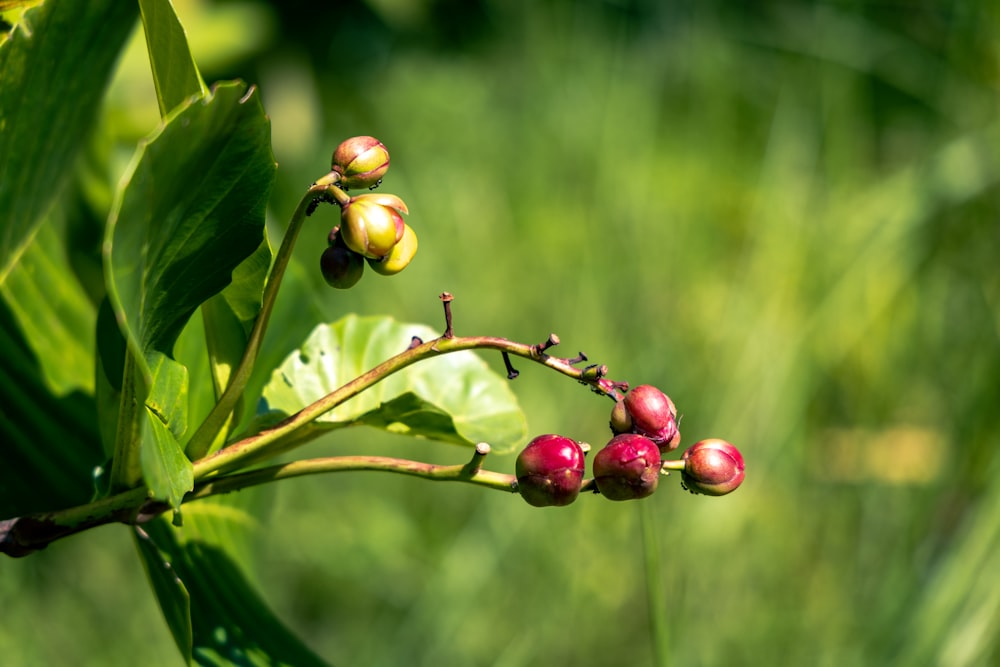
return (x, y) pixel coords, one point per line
(175, 74)
(54, 69)
(228, 622)
(454, 397)
(190, 212)
(50, 445)
(53, 311)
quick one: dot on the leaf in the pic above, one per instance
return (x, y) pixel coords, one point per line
(50, 445)
(165, 469)
(54, 68)
(53, 312)
(173, 596)
(190, 212)
(454, 397)
(175, 74)
(229, 622)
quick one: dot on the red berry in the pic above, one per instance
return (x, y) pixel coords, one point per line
(628, 467)
(713, 467)
(550, 471)
(653, 415)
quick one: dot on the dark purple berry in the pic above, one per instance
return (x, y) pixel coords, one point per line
(550, 471)
(713, 467)
(628, 467)
(653, 415)
(341, 267)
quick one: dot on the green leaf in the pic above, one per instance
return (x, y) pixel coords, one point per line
(228, 622)
(54, 68)
(190, 212)
(173, 596)
(165, 469)
(453, 398)
(50, 445)
(53, 312)
(175, 74)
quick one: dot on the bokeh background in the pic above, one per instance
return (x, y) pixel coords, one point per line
(786, 214)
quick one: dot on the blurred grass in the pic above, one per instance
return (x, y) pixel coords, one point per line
(785, 215)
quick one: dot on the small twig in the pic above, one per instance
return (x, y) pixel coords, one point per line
(446, 299)
(551, 341)
(511, 371)
(478, 458)
(415, 341)
(579, 358)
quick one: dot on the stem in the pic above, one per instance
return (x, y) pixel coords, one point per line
(274, 440)
(25, 535)
(202, 439)
(429, 471)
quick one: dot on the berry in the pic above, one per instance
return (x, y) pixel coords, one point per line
(550, 471)
(360, 161)
(341, 267)
(653, 415)
(628, 467)
(713, 467)
(400, 256)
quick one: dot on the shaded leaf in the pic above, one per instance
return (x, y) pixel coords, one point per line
(175, 74)
(54, 67)
(174, 599)
(229, 622)
(50, 444)
(454, 397)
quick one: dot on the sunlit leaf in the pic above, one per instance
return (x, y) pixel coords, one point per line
(166, 470)
(191, 210)
(53, 311)
(175, 74)
(454, 397)
(54, 68)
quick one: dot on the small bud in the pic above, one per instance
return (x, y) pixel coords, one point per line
(653, 415)
(371, 224)
(342, 268)
(621, 422)
(361, 162)
(550, 471)
(713, 467)
(400, 256)
(628, 467)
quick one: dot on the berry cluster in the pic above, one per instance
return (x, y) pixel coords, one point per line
(550, 469)
(371, 226)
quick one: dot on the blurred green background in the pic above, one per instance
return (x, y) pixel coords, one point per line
(785, 214)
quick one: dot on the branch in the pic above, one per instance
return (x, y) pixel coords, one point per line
(25, 535)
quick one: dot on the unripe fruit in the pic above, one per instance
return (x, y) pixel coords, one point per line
(653, 415)
(360, 161)
(628, 467)
(621, 422)
(400, 255)
(550, 471)
(713, 467)
(372, 224)
(341, 267)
